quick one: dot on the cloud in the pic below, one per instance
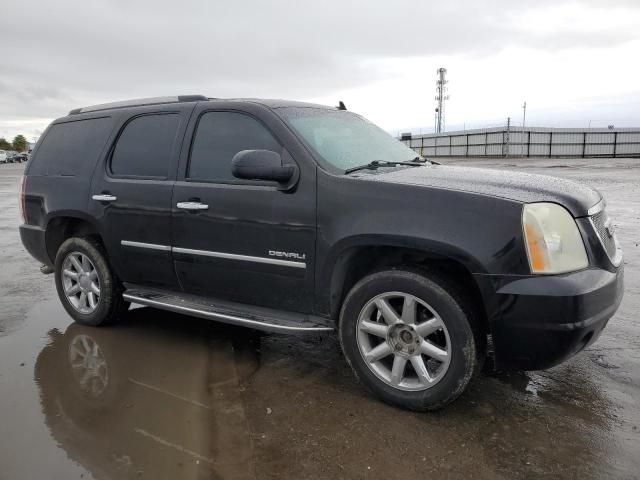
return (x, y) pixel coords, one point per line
(65, 54)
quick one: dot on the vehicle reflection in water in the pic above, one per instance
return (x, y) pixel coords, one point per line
(161, 395)
(153, 396)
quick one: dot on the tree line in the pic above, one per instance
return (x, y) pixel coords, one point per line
(19, 144)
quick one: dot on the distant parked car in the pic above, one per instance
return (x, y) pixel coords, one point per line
(21, 157)
(11, 154)
(3, 156)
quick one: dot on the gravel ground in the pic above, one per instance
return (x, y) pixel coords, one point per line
(166, 396)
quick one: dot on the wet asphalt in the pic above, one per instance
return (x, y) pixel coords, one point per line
(161, 395)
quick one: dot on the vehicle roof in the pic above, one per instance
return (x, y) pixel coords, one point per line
(140, 102)
(280, 103)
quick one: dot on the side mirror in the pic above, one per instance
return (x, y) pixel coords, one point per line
(261, 165)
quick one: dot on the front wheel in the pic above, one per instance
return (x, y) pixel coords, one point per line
(411, 338)
(88, 288)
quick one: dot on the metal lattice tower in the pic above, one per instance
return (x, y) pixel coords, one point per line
(441, 96)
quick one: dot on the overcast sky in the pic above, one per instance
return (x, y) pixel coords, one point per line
(574, 62)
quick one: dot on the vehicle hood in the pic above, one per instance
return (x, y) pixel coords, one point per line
(517, 186)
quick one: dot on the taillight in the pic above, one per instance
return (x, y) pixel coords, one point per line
(21, 200)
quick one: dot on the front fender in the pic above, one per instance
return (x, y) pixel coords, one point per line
(480, 232)
(426, 246)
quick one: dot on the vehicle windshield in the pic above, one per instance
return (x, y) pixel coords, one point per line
(344, 139)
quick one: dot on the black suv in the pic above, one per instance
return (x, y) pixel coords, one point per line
(292, 217)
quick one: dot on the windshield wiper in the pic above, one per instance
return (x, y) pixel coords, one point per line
(425, 160)
(378, 163)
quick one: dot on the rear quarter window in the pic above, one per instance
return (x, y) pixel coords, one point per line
(71, 148)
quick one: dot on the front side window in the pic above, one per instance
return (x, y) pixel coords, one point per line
(219, 136)
(145, 146)
(344, 139)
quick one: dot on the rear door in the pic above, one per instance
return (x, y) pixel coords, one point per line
(248, 242)
(131, 193)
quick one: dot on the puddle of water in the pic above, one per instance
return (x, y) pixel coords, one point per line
(153, 397)
(166, 396)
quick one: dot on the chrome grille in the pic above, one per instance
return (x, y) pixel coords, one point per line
(604, 228)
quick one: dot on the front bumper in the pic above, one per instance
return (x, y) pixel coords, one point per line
(541, 321)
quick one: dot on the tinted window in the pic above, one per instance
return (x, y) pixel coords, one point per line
(219, 136)
(145, 146)
(71, 148)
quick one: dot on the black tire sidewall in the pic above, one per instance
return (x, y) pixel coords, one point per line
(109, 293)
(463, 345)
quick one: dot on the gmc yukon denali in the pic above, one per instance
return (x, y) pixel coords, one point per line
(293, 217)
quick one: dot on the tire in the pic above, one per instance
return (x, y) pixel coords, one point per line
(444, 342)
(108, 305)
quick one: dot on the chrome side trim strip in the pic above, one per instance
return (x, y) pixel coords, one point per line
(226, 318)
(151, 246)
(207, 253)
(246, 258)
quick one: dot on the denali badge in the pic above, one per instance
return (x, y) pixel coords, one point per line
(297, 256)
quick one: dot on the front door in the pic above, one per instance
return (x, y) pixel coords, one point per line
(131, 195)
(239, 240)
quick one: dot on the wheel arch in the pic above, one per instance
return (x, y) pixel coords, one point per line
(354, 259)
(65, 225)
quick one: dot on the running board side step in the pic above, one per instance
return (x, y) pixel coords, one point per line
(259, 318)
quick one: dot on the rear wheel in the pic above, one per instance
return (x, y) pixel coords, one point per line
(88, 288)
(409, 337)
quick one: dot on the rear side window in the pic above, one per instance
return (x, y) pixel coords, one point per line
(145, 146)
(219, 136)
(71, 148)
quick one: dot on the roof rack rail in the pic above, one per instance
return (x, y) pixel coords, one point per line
(139, 102)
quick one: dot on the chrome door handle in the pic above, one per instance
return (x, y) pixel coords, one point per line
(105, 197)
(192, 206)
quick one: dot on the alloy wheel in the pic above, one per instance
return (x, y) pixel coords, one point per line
(80, 282)
(403, 341)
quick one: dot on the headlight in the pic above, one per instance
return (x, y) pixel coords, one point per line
(554, 243)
